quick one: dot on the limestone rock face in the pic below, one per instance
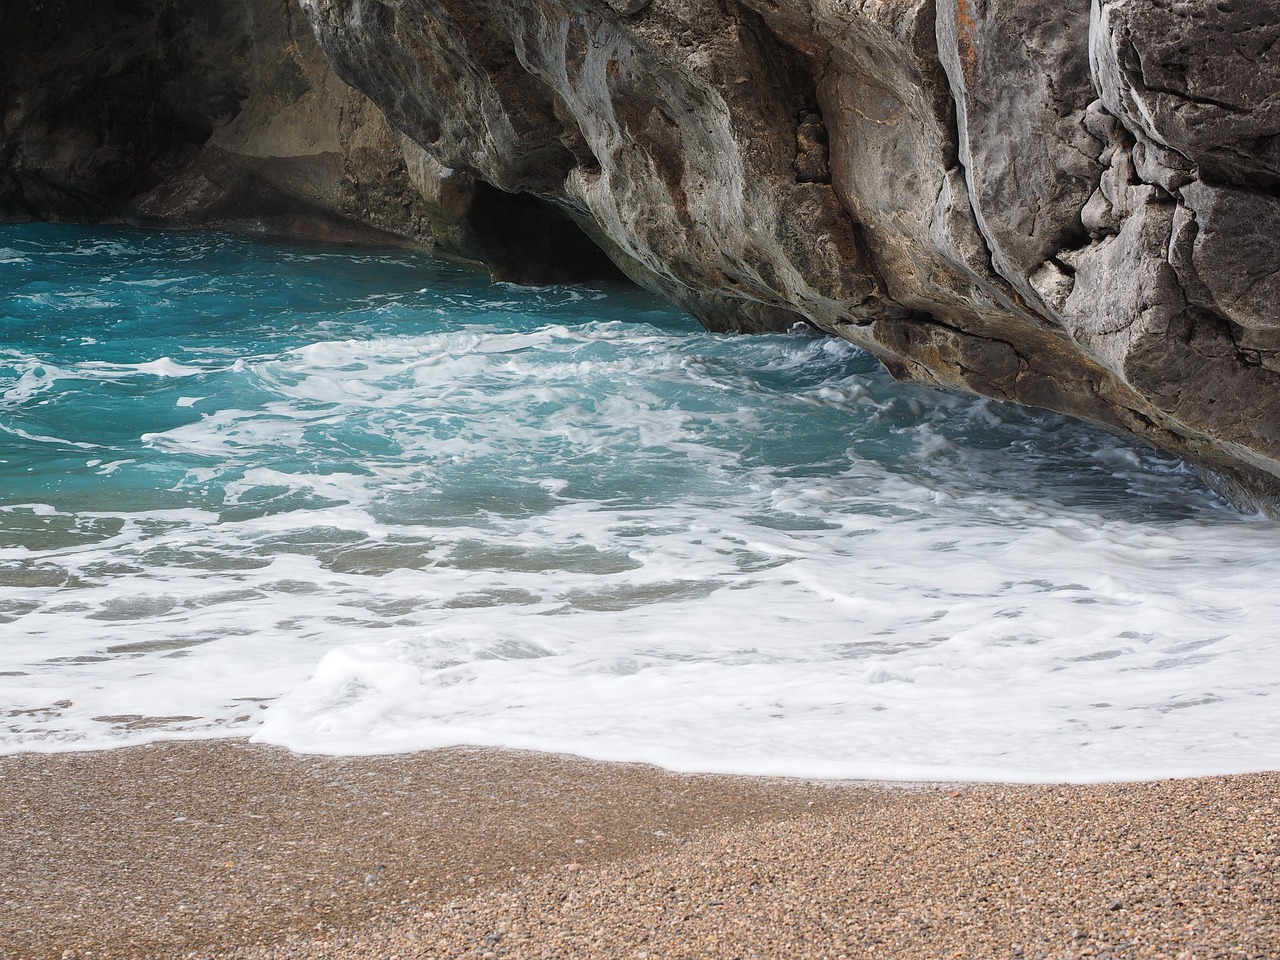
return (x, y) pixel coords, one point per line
(192, 114)
(1068, 205)
(224, 113)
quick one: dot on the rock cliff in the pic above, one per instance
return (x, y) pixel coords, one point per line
(224, 113)
(1070, 206)
(191, 114)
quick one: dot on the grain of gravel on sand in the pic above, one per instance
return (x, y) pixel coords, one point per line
(229, 850)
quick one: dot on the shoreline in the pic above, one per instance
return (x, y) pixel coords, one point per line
(220, 848)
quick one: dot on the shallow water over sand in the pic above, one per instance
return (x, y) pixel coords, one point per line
(360, 501)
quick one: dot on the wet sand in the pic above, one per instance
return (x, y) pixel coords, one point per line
(224, 849)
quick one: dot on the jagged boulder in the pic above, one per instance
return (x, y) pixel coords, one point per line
(1061, 205)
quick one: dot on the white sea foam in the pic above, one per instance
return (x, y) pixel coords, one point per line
(40, 438)
(163, 367)
(626, 541)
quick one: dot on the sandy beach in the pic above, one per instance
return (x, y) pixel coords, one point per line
(225, 849)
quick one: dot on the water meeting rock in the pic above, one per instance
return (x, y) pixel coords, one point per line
(1062, 204)
(1051, 203)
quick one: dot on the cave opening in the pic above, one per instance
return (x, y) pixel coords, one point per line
(527, 240)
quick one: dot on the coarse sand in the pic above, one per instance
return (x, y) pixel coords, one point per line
(230, 850)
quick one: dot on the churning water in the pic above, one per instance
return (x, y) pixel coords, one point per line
(362, 501)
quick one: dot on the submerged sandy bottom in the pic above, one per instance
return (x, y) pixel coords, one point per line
(355, 502)
(224, 849)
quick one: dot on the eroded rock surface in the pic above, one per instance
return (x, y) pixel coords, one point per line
(1044, 201)
(193, 114)
(224, 113)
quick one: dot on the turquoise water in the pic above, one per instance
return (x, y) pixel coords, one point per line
(362, 500)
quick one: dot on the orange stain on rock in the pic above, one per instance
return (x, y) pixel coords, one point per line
(965, 29)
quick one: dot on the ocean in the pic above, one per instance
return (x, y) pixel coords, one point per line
(350, 500)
